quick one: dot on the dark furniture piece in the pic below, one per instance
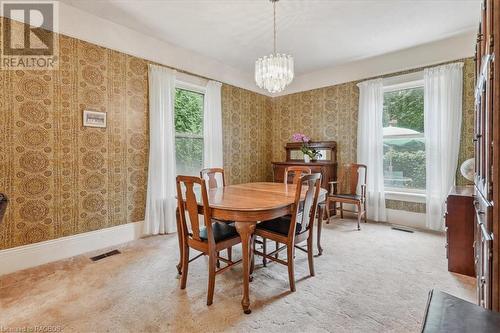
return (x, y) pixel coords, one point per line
(448, 314)
(3, 205)
(293, 229)
(459, 226)
(345, 190)
(209, 240)
(487, 156)
(214, 177)
(326, 166)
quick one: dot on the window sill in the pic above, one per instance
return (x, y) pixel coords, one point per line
(405, 196)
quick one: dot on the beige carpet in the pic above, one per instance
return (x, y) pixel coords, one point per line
(374, 280)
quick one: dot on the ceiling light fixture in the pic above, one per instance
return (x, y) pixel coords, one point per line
(274, 72)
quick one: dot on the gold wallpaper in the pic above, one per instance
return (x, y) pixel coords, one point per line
(247, 123)
(62, 178)
(331, 113)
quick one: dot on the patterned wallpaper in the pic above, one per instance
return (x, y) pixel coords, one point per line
(330, 113)
(247, 123)
(63, 178)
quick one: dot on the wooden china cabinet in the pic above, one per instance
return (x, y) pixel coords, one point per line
(487, 156)
(326, 165)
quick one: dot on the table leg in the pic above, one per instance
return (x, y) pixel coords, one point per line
(321, 211)
(179, 236)
(246, 229)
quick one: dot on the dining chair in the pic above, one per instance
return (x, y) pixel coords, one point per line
(210, 239)
(210, 176)
(294, 229)
(296, 172)
(215, 178)
(350, 189)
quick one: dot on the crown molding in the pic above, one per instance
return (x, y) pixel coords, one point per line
(82, 25)
(456, 47)
(76, 23)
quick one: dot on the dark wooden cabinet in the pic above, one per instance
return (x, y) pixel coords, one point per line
(460, 230)
(487, 156)
(327, 165)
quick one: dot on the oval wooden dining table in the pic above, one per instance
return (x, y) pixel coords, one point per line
(246, 205)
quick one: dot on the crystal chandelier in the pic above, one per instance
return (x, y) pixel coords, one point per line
(274, 72)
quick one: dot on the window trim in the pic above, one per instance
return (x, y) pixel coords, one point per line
(404, 82)
(190, 87)
(409, 196)
(403, 86)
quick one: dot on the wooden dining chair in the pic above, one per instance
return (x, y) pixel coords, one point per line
(294, 229)
(297, 172)
(209, 239)
(210, 176)
(350, 189)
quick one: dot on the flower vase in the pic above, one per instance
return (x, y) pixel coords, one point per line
(307, 158)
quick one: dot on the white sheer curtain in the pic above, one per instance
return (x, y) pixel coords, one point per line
(212, 126)
(370, 146)
(443, 120)
(160, 200)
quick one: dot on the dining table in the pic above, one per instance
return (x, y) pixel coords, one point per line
(246, 205)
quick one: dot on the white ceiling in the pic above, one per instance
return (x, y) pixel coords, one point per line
(318, 33)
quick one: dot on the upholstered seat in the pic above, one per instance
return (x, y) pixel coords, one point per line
(346, 190)
(280, 225)
(354, 197)
(292, 229)
(209, 239)
(221, 231)
(212, 181)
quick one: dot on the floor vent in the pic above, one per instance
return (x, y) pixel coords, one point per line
(402, 228)
(104, 255)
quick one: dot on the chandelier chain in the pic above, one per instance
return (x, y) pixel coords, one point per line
(274, 20)
(274, 72)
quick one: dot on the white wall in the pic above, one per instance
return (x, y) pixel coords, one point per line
(82, 25)
(85, 26)
(457, 47)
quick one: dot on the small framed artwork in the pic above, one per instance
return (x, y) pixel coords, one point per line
(94, 118)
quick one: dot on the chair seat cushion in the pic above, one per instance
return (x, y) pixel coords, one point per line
(354, 197)
(280, 225)
(221, 231)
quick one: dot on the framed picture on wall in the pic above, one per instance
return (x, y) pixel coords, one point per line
(94, 118)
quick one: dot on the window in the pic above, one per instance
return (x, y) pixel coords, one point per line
(404, 142)
(188, 131)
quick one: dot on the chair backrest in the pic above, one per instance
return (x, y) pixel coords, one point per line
(188, 203)
(297, 171)
(307, 214)
(210, 176)
(350, 179)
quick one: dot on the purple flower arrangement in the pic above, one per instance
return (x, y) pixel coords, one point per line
(299, 137)
(306, 150)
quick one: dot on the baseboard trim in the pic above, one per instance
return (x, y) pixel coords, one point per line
(32, 255)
